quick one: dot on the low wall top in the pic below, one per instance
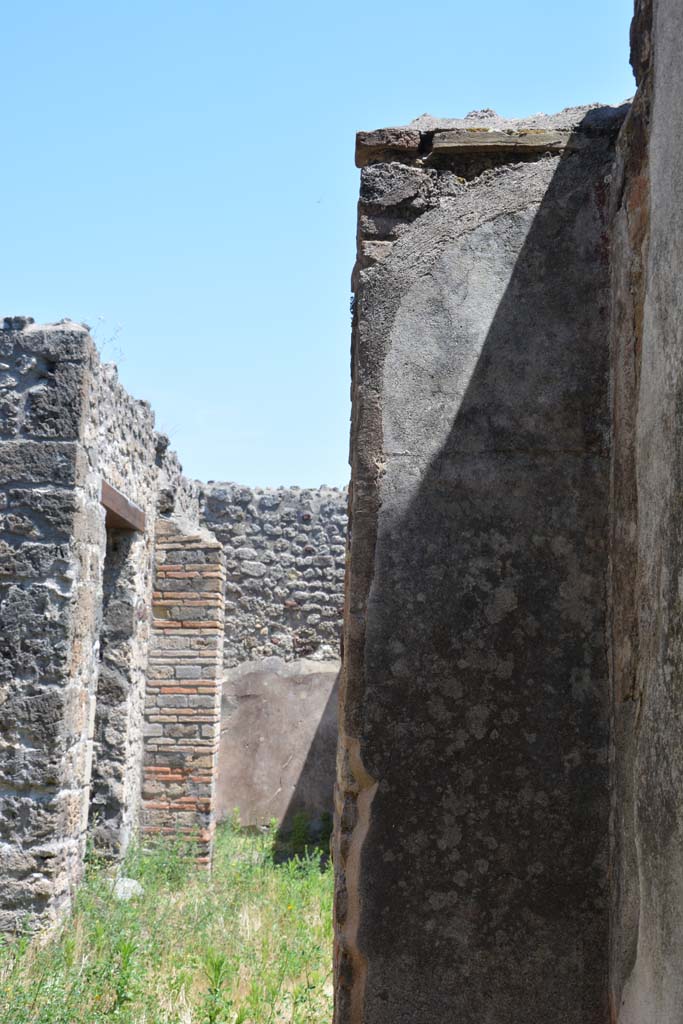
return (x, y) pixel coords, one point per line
(483, 131)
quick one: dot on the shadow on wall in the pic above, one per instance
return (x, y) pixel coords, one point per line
(278, 741)
(479, 690)
(314, 791)
(117, 739)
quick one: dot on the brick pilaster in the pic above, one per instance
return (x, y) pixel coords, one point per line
(183, 694)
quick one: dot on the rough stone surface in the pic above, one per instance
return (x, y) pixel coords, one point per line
(285, 555)
(647, 539)
(112, 640)
(119, 440)
(46, 676)
(74, 601)
(127, 889)
(119, 698)
(472, 818)
(285, 552)
(278, 741)
(515, 534)
(433, 140)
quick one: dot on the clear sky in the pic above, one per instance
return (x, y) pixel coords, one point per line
(180, 176)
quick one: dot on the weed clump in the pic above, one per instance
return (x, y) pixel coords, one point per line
(249, 943)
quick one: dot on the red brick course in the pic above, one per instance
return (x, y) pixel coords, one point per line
(182, 715)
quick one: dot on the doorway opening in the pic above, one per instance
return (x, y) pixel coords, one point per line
(119, 701)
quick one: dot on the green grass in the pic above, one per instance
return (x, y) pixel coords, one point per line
(251, 943)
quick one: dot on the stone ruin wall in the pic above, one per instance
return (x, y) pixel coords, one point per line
(125, 450)
(54, 537)
(646, 581)
(75, 609)
(183, 685)
(474, 707)
(112, 637)
(509, 819)
(285, 551)
(43, 721)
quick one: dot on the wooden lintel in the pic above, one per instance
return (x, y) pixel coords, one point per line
(476, 140)
(122, 514)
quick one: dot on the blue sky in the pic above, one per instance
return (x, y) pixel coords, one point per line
(180, 175)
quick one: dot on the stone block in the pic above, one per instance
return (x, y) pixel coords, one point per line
(54, 405)
(41, 462)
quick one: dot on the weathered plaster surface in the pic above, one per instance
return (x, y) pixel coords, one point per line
(472, 809)
(647, 547)
(285, 553)
(278, 740)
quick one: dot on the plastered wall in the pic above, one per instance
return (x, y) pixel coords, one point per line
(472, 835)
(285, 553)
(646, 555)
(523, 315)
